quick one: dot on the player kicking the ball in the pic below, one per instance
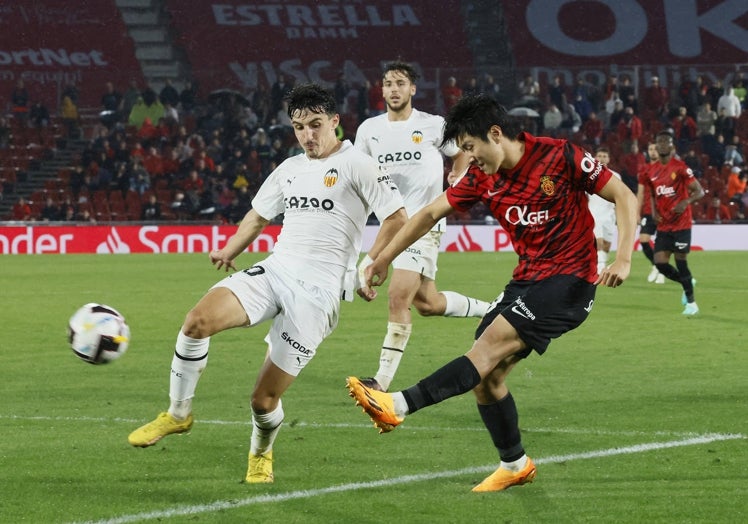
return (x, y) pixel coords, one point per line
(409, 144)
(326, 195)
(536, 188)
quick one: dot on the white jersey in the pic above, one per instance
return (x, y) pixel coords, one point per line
(410, 151)
(599, 207)
(326, 203)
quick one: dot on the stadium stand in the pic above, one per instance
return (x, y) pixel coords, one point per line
(226, 125)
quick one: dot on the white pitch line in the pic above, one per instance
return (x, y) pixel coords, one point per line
(343, 425)
(220, 505)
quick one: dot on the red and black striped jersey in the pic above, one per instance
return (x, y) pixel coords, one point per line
(542, 205)
(669, 185)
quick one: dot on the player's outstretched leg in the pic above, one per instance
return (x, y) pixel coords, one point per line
(378, 405)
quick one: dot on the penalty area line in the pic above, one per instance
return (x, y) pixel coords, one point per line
(221, 505)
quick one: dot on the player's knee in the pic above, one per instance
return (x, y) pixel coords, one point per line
(196, 325)
(663, 267)
(263, 403)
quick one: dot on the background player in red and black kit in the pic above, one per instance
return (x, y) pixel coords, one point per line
(674, 188)
(647, 224)
(535, 187)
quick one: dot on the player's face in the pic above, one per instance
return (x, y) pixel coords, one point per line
(397, 90)
(602, 157)
(664, 145)
(488, 156)
(652, 153)
(315, 132)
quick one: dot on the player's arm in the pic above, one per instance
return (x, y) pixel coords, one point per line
(695, 192)
(626, 218)
(387, 230)
(418, 225)
(251, 226)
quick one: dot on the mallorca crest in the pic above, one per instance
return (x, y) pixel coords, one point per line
(331, 177)
(416, 137)
(547, 185)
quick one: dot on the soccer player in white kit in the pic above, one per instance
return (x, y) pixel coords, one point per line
(408, 143)
(604, 213)
(326, 195)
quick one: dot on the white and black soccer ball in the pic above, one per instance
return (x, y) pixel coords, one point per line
(98, 334)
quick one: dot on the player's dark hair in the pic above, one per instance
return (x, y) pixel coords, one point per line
(602, 149)
(404, 68)
(312, 98)
(475, 115)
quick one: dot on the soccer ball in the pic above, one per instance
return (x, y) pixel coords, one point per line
(98, 334)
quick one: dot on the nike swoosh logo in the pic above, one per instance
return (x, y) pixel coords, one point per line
(520, 312)
(493, 193)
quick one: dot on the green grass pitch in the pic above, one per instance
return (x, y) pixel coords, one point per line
(639, 415)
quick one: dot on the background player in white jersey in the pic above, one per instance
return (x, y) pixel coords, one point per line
(408, 143)
(604, 213)
(326, 195)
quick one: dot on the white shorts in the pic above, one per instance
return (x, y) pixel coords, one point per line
(303, 314)
(605, 226)
(421, 256)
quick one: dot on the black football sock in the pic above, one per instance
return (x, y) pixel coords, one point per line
(502, 422)
(685, 279)
(669, 271)
(648, 252)
(455, 378)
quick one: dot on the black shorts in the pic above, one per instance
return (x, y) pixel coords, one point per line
(648, 225)
(673, 241)
(542, 310)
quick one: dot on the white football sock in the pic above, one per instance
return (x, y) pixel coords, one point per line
(461, 306)
(189, 361)
(516, 465)
(401, 406)
(393, 348)
(265, 428)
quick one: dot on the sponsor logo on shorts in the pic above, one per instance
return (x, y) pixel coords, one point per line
(588, 309)
(294, 344)
(522, 310)
(681, 245)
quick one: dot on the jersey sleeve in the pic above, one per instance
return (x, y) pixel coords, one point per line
(585, 170)
(268, 202)
(377, 189)
(464, 193)
(362, 139)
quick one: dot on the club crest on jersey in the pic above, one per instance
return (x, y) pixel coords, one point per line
(331, 177)
(547, 185)
(416, 137)
(673, 175)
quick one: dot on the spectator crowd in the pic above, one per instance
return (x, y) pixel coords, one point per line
(177, 155)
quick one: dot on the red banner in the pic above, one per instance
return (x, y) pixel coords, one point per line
(124, 239)
(37, 240)
(240, 44)
(53, 43)
(627, 32)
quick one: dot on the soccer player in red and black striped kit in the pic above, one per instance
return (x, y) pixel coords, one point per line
(674, 188)
(535, 187)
